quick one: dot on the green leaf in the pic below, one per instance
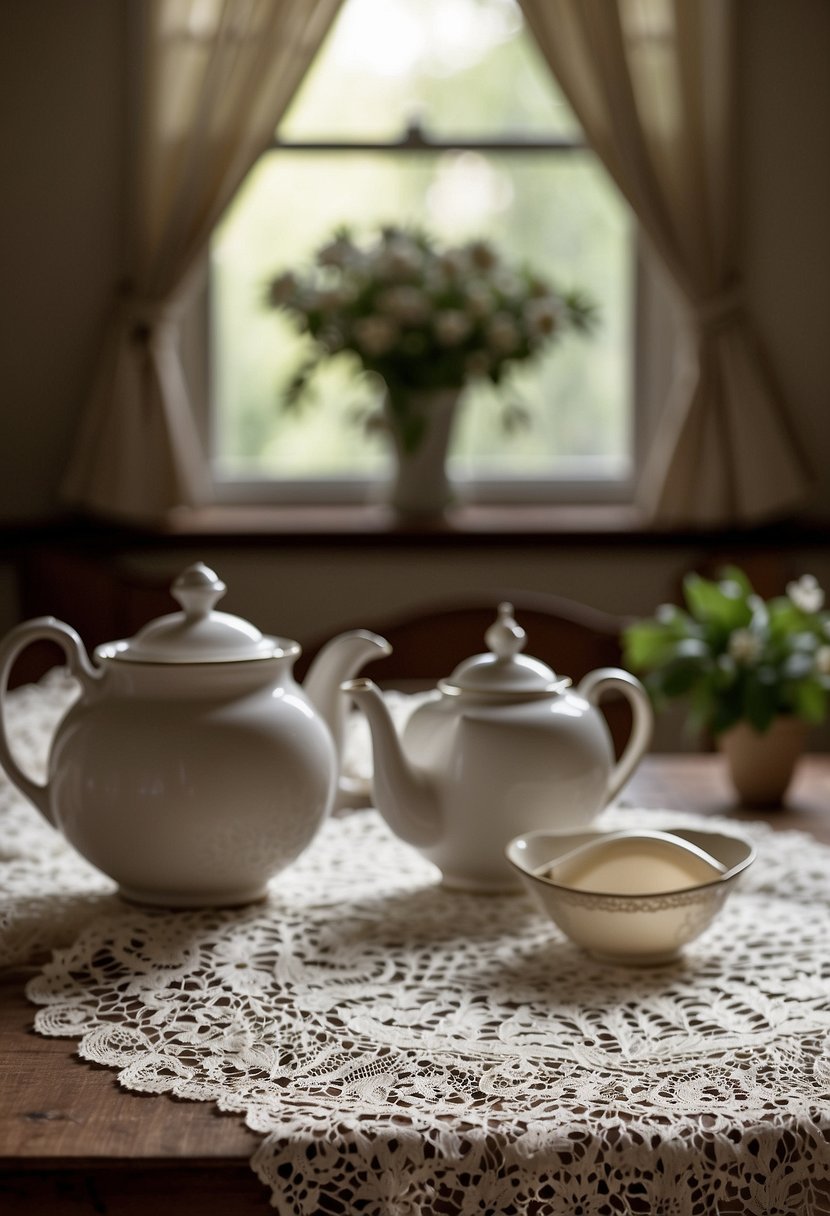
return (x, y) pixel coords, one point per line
(725, 673)
(784, 617)
(760, 699)
(721, 604)
(647, 644)
(734, 574)
(582, 312)
(702, 703)
(680, 676)
(677, 622)
(653, 684)
(726, 712)
(515, 417)
(810, 701)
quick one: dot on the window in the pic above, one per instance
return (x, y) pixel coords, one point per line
(440, 114)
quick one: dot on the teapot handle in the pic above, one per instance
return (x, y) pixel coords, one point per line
(44, 628)
(592, 688)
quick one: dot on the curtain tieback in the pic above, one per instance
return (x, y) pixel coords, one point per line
(147, 320)
(719, 311)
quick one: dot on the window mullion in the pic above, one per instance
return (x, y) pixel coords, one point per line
(513, 144)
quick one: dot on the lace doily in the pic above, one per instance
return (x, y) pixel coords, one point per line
(404, 1049)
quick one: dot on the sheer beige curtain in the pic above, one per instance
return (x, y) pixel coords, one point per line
(653, 84)
(213, 79)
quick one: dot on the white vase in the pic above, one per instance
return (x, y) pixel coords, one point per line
(761, 765)
(420, 485)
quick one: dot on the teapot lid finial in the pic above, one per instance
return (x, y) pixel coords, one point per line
(197, 589)
(504, 671)
(199, 634)
(504, 637)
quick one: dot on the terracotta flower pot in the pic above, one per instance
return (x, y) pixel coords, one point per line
(762, 765)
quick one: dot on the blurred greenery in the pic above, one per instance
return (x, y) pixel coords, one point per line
(735, 657)
(557, 212)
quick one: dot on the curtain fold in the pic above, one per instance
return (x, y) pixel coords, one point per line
(213, 79)
(653, 84)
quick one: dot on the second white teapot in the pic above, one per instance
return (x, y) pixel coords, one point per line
(502, 747)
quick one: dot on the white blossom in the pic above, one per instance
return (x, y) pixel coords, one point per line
(338, 253)
(542, 315)
(806, 594)
(479, 298)
(509, 284)
(375, 335)
(482, 256)
(333, 299)
(398, 298)
(451, 326)
(331, 338)
(823, 660)
(537, 287)
(399, 256)
(282, 288)
(453, 262)
(744, 646)
(406, 304)
(503, 333)
(726, 664)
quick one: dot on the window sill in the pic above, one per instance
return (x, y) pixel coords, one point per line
(377, 524)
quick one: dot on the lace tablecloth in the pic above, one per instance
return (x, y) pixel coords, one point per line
(402, 1049)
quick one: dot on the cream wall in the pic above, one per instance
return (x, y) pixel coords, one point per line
(785, 161)
(61, 86)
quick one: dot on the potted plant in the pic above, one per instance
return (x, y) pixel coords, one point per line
(426, 320)
(755, 673)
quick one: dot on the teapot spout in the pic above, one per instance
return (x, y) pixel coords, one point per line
(339, 660)
(401, 793)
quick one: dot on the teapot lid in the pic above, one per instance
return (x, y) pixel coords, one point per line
(504, 670)
(197, 634)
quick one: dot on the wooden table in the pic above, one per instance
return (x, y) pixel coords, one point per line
(72, 1141)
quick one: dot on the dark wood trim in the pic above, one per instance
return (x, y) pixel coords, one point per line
(376, 527)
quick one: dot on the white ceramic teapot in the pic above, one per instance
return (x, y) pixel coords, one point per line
(502, 746)
(192, 767)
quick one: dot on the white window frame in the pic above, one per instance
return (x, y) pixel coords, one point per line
(654, 336)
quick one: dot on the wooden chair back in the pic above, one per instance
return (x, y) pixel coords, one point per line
(429, 640)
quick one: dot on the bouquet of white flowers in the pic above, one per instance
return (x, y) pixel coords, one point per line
(422, 317)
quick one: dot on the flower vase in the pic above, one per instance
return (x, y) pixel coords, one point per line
(420, 425)
(761, 765)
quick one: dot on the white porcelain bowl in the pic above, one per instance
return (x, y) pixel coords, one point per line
(643, 922)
